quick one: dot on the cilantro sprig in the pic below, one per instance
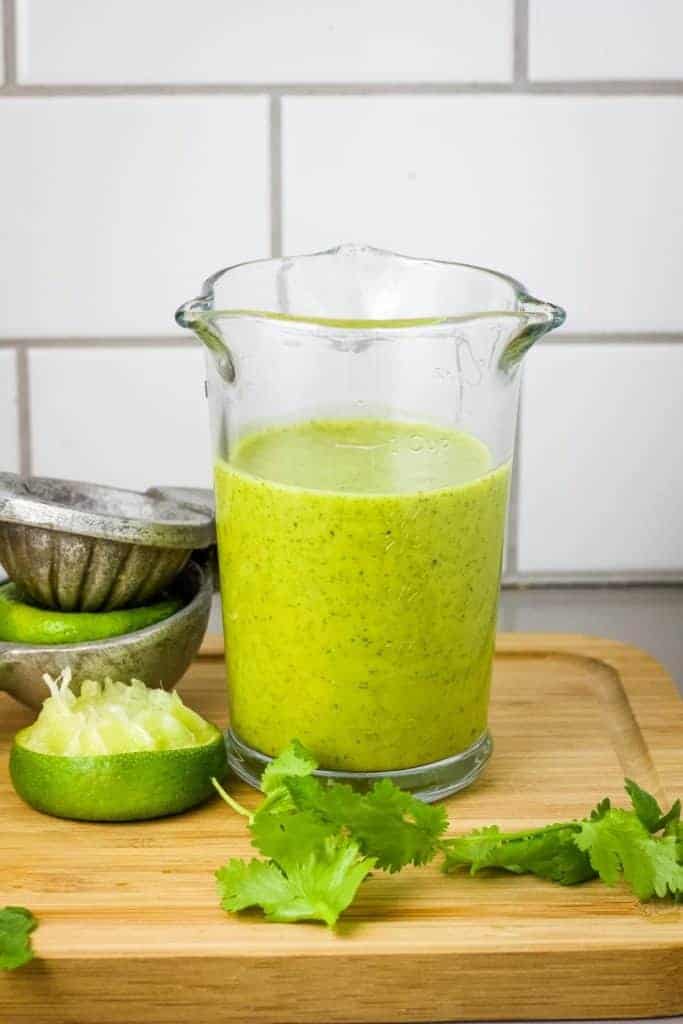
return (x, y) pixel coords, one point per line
(548, 852)
(16, 925)
(386, 822)
(642, 847)
(321, 840)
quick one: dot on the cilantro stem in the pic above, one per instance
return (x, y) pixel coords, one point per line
(523, 834)
(230, 802)
(275, 797)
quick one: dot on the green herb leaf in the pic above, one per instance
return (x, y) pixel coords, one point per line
(284, 837)
(243, 884)
(675, 829)
(601, 809)
(317, 888)
(620, 844)
(648, 810)
(295, 760)
(644, 804)
(16, 925)
(672, 816)
(388, 824)
(547, 852)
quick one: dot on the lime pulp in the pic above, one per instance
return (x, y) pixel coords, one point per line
(116, 752)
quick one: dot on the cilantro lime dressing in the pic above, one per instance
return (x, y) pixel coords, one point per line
(360, 564)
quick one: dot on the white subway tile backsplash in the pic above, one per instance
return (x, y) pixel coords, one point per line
(610, 39)
(117, 207)
(132, 417)
(600, 483)
(578, 196)
(9, 440)
(153, 41)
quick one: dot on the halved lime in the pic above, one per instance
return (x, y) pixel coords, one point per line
(117, 752)
(25, 623)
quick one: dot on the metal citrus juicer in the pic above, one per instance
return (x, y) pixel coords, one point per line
(86, 547)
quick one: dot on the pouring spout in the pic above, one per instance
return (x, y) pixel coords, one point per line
(195, 315)
(536, 319)
(543, 313)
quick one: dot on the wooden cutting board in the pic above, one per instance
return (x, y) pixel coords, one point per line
(131, 931)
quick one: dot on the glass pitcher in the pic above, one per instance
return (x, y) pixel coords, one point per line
(363, 408)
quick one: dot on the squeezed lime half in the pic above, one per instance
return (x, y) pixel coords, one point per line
(23, 622)
(117, 752)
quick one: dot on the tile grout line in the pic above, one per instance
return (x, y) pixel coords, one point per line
(614, 338)
(275, 154)
(607, 87)
(158, 341)
(9, 41)
(593, 578)
(24, 411)
(130, 341)
(586, 87)
(520, 53)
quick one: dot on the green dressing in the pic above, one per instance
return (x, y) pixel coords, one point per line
(360, 565)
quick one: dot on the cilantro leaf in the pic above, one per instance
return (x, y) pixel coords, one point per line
(675, 829)
(648, 810)
(671, 818)
(388, 824)
(283, 837)
(601, 809)
(644, 804)
(547, 852)
(620, 844)
(243, 884)
(16, 925)
(295, 760)
(318, 887)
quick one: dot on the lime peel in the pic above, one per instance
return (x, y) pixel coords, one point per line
(115, 752)
(23, 622)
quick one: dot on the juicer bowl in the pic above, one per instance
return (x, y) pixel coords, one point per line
(89, 574)
(159, 655)
(85, 547)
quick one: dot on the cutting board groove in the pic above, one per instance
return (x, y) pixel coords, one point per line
(131, 931)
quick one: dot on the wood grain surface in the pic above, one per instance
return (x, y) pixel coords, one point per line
(131, 931)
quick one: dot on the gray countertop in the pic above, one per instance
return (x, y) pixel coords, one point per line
(644, 616)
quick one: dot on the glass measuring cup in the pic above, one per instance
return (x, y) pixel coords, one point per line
(363, 409)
